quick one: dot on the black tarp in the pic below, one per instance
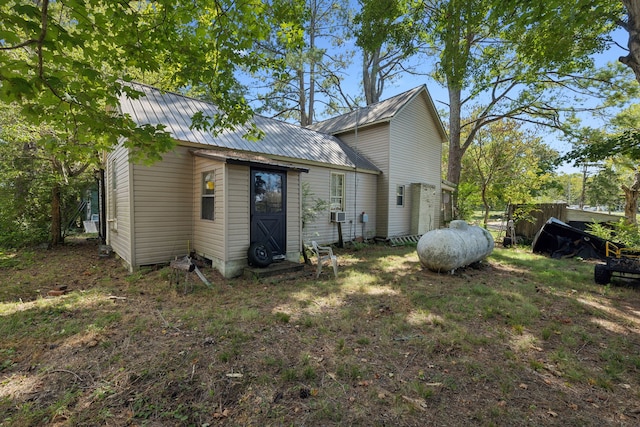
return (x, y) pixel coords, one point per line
(560, 240)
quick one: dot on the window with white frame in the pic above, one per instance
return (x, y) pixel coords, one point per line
(336, 196)
(208, 195)
(400, 195)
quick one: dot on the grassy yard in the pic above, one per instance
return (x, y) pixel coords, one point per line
(519, 340)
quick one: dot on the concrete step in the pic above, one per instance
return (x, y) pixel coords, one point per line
(276, 268)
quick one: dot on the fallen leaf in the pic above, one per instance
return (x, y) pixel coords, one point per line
(523, 386)
(573, 406)
(235, 375)
(553, 414)
(54, 293)
(223, 414)
(420, 404)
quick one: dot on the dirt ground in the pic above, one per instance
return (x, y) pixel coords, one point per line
(87, 343)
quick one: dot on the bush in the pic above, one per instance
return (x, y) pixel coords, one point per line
(621, 232)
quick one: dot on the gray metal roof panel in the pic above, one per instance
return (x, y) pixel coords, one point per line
(375, 113)
(280, 138)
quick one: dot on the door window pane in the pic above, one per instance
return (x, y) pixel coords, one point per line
(268, 192)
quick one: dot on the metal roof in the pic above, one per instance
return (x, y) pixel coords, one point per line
(379, 112)
(240, 157)
(282, 139)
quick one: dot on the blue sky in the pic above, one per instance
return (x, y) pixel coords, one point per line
(440, 96)
(352, 86)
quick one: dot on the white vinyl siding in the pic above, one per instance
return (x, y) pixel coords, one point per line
(415, 158)
(209, 236)
(373, 142)
(407, 150)
(360, 194)
(294, 223)
(237, 207)
(119, 203)
(163, 204)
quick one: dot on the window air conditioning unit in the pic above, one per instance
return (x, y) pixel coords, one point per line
(338, 216)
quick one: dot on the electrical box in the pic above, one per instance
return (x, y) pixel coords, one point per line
(364, 218)
(338, 216)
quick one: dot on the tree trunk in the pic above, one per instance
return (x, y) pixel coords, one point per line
(631, 200)
(312, 67)
(487, 208)
(56, 216)
(632, 60)
(370, 71)
(304, 119)
(454, 166)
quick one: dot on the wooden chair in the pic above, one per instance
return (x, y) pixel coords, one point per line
(325, 253)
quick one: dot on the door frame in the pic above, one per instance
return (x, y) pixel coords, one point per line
(274, 237)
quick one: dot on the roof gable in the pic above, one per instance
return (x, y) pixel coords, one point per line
(280, 139)
(380, 112)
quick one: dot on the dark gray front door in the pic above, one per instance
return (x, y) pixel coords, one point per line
(268, 209)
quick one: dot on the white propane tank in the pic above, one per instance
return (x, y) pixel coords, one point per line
(457, 246)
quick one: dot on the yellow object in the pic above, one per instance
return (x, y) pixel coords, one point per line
(617, 252)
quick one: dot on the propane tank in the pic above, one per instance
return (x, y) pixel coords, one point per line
(459, 245)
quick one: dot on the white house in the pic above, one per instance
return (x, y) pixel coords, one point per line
(218, 195)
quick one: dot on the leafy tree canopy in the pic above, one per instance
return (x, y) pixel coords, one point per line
(314, 56)
(65, 62)
(620, 139)
(508, 59)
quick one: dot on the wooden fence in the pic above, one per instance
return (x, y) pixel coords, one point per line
(530, 218)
